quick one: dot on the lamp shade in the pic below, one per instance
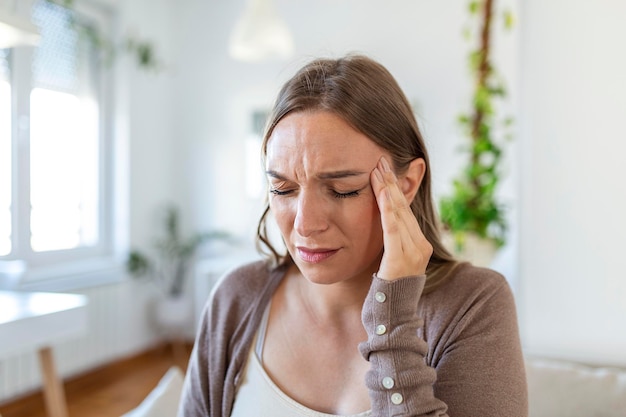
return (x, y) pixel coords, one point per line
(15, 31)
(260, 34)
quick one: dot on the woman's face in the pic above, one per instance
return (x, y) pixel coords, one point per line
(318, 169)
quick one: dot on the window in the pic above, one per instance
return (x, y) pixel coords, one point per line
(54, 146)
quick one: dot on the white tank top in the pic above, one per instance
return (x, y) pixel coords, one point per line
(259, 396)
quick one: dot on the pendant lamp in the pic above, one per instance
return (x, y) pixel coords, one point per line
(260, 34)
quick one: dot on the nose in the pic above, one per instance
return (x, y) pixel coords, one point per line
(311, 214)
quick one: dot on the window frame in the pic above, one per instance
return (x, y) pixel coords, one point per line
(97, 261)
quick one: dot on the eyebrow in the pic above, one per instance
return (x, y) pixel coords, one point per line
(333, 175)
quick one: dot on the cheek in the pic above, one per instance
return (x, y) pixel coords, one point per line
(364, 220)
(284, 214)
(370, 234)
(375, 229)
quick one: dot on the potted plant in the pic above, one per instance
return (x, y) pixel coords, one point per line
(472, 214)
(167, 268)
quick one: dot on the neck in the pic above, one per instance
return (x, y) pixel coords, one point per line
(334, 303)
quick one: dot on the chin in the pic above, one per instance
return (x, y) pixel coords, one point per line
(327, 275)
(319, 277)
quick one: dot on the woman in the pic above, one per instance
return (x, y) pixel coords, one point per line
(366, 313)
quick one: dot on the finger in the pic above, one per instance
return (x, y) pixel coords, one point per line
(406, 250)
(391, 237)
(410, 231)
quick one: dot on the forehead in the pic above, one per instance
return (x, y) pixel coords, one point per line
(320, 138)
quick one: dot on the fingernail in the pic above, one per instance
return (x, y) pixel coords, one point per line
(378, 175)
(386, 166)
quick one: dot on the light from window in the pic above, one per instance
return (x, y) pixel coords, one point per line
(5, 157)
(64, 137)
(64, 171)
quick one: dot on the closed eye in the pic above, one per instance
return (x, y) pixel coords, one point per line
(337, 194)
(280, 192)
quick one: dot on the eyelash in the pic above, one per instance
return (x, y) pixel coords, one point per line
(333, 192)
(345, 195)
(279, 192)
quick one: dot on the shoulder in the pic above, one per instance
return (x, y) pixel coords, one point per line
(468, 280)
(243, 275)
(242, 280)
(242, 286)
(468, 293)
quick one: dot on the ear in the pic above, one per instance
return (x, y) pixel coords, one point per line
(412, 179)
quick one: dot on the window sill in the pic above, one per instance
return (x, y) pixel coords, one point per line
(72, 276)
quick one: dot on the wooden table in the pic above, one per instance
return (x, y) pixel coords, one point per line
(35, 320)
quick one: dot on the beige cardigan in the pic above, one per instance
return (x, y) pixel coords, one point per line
(453, 352)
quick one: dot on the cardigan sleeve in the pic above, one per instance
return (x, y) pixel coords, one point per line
(194, 401)
(476, 368)
(399, 381)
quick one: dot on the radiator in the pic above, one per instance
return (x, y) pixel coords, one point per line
(116, 328)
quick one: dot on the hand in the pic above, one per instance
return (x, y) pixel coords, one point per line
(406, 250)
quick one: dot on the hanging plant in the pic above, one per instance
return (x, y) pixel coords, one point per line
(142, 51)
(473, 207)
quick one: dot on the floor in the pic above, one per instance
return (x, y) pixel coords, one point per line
(109, 391)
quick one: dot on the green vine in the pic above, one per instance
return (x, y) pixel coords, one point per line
(473, 207)
(142, 51)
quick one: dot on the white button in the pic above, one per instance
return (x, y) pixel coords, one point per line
(380, 297)
(396, 398)
(381, 329)
(388, 382)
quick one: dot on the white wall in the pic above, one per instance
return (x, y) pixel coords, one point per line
(152, 140)
(573, 291)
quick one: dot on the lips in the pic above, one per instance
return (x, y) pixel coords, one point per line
(315, 255)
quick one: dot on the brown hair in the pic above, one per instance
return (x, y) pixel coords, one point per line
(365, 95)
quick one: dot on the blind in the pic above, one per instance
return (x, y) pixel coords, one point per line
(55, 61)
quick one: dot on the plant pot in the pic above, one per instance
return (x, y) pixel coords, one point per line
(478, 251)
(173, 315)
